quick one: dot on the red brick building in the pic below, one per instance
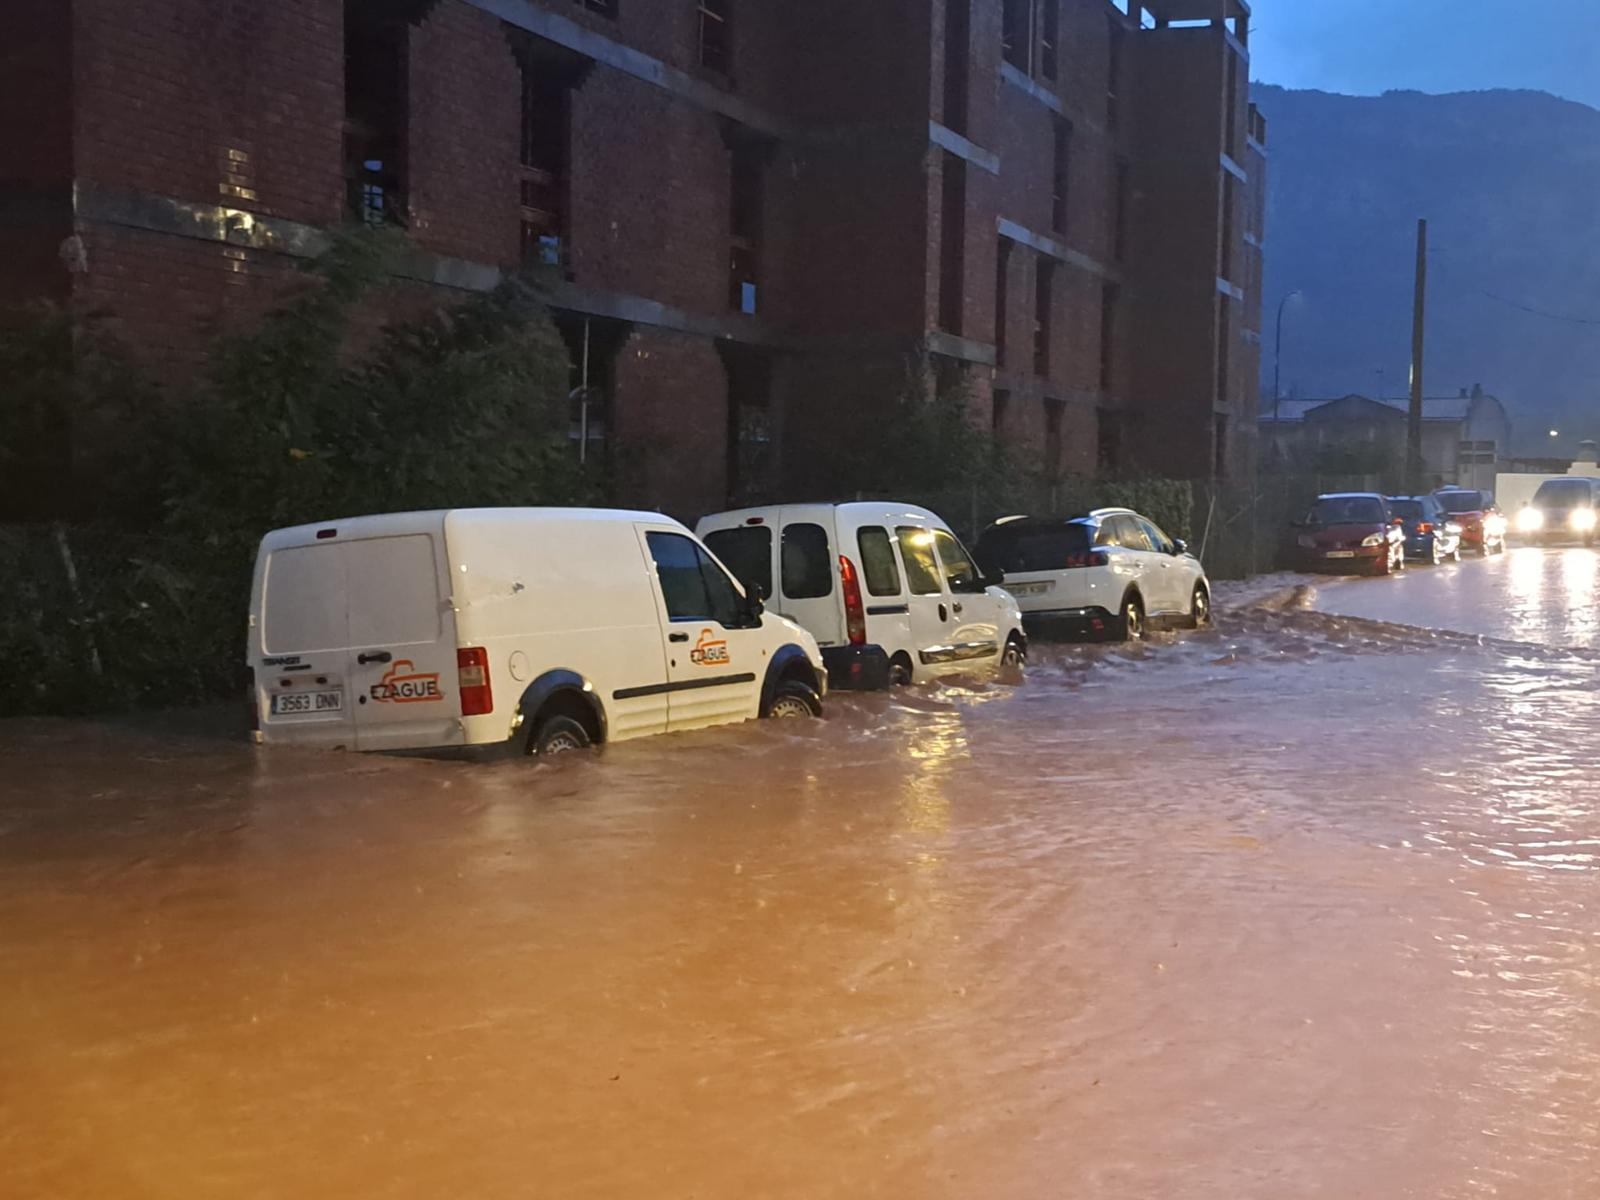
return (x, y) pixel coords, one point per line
(765, 217)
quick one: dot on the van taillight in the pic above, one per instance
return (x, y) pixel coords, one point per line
(855, 616)
(472, 669)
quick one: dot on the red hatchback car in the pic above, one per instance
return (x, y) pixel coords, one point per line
(1483, 525)
(1351, 531)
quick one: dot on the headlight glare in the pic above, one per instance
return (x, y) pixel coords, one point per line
(1530, 520)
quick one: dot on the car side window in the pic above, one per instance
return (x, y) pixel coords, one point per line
(877, 561)
(694, 587)
(959, 570)
(1129, 535)
(922, 569)
(1159, 542)
(683, 583)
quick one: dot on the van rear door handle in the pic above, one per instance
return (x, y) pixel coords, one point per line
(677, 637)
(944, 615)
(377, 656)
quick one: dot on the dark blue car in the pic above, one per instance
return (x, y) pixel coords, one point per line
(1431, 535)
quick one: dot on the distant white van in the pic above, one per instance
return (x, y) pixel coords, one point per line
(888, 590)
(549, 629)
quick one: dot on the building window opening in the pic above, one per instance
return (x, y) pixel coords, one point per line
(1230, 202)
(603, 8)
(716, 36)
(752, 458)
(1016, 34)
(1120, 185)
(1108, 337)
(1002, 289)
(1115, 51)
(545, 160)
(592, 347)
(1233, 101)
(953, 244)
(1224, 341)
(1049, 36)
(746, 214)
(1108, 437)
(1060, 176)
(375, 105)
(1220, 447)
(957, 52)
(1053, 413)
(1044, 286)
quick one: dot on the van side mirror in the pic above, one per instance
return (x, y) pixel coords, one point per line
(754, 606)
(1179, 547)
(992, 579)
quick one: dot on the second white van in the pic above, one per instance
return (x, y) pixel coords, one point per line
(888, 590)
(547, 629)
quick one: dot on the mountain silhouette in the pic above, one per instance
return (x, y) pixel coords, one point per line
(1510, 184)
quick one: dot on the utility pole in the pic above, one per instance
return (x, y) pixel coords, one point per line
(1418, 324)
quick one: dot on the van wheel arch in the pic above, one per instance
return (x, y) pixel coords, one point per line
(788, 663)
(901, 670)
(560, 693)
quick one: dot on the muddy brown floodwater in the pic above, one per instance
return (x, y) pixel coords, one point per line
(1304, 906)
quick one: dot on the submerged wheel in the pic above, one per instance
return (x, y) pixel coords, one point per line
(559, 734)
(794, 701)
(899, 671)
(1131, 621)
(1015, 655)
(1200, 608)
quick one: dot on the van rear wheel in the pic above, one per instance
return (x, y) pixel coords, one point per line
(559, 734)
(794, 701)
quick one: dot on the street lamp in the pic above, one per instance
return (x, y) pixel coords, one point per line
(1277, 366)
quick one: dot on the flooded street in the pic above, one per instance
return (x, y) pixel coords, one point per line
(1301, 906)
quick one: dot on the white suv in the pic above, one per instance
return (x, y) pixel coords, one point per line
(1112, 574)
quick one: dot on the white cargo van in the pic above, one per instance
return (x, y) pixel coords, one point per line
(887, 589)
(550, 629)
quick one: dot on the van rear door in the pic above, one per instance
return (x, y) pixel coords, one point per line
(357, 646)
(808, 573)
(402, 643)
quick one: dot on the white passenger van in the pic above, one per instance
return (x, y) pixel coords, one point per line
(549, 629)
(887, 589)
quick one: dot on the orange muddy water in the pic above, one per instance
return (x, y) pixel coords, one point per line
(1303, 906)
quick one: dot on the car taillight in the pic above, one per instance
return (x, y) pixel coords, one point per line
(1090, 558)
(855, 616)
(1425, 527)
(472, 671)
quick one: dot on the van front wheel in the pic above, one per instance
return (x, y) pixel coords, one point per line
(794, 700)
(560, 735)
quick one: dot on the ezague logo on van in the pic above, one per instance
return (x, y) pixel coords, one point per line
(710, 651)
(404, 684)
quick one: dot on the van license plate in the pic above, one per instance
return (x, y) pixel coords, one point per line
(1341, 553)
(1029, 589)
(286, 704)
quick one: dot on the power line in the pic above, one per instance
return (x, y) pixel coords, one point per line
(1539, 312)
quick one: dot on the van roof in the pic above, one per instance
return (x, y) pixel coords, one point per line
(853, 508)
(378, 524)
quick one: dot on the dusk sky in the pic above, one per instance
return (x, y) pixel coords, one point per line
(1365, 47)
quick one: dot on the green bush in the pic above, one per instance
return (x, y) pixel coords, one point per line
(311, 415)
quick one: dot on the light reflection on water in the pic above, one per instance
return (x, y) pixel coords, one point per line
(1301, 906)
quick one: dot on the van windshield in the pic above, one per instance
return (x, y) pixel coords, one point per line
(1020, 547)
(1563, 493)
(747, 552)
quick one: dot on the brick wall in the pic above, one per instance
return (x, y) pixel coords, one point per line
(35, 149)
(670, 421)
(464, 133)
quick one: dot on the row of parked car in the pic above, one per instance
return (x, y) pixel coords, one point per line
(1376, 534)
(555, 629)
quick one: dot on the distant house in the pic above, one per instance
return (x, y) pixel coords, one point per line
(1464, 437)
